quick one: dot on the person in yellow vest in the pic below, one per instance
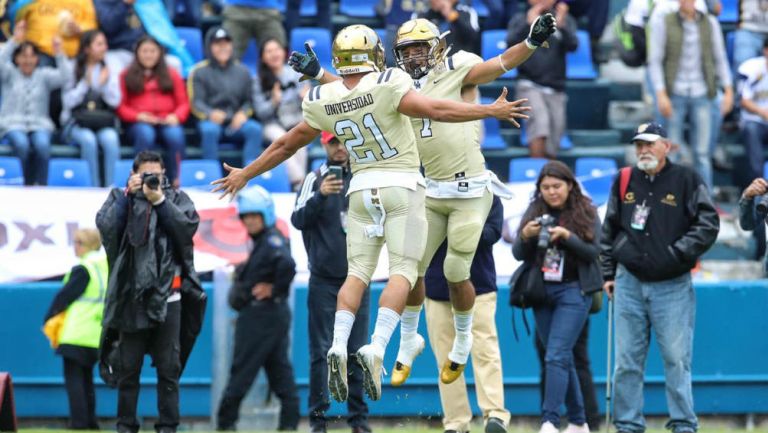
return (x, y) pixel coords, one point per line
(81, 302)
(66, 18)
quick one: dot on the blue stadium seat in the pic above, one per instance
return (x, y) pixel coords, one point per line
(765, 170)
(525, 169)
(316, 163)
(358, 8)
(308, 8)
(565, 140)
(69, 172)
(199, 172)
(480, 8)
(729, 46)
(318, 38)
(192, 39)
(579, 63)
(730, 12)
(493, 43)
(596, 176)
(492, 138)
(123, 169)
(275, 180)
(251, 57)
(10, 171)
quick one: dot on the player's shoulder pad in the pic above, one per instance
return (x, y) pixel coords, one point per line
(314, 93)
(386, 75)
(461, 58)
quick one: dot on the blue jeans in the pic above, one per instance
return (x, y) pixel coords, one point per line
(755, 136)
(89, 142)
(746, 45)
(321, 304)
(669, 307)
(249, 135)
(700, 110)
(36, 166)
(144, 137)
(559, 324)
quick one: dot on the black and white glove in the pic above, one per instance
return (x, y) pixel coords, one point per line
(306, 64)
(541, 29)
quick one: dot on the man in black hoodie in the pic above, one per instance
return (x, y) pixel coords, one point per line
(660, 219)
(220, 91)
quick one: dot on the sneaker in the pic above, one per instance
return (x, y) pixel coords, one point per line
(451, 371)
(573, 428)
(370, 362)
(548, 427)
(495, 425)
(361, 429)
(405, 356)
(337, 373)
(320, 428)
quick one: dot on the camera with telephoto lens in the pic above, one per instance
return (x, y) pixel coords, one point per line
(151, 180)
(761, 204)
(546, 221)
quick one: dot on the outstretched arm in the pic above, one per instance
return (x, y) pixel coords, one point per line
(308, 64)
(280, 150)
(514, 56)
(414, 104)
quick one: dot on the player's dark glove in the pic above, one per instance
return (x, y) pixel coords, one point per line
(306, 64)
(541, 29)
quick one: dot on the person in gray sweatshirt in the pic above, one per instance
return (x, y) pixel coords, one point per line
(219, 90)
(26, 88)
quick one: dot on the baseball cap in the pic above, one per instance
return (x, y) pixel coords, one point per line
(220, 34)
(326, 137)
(649, 132)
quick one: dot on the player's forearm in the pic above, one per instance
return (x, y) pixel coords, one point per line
(272, 156)
(497, 66)
(456, 112)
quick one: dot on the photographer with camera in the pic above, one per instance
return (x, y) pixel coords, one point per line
(558, 240)
(660, 219)
(753, 207)
(155, 303)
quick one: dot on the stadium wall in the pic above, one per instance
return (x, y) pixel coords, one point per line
(729, 369)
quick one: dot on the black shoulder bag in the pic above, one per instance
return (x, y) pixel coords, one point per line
(526, 289)
(93, 113)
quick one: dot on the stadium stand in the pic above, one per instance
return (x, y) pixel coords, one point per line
(69, 172)
(199, 172)
(525, 169)
(10, 171)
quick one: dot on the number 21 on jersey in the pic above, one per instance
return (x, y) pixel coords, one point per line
(359, 150)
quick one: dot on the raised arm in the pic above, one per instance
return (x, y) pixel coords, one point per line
(414, 104)
(513, 56)
(280, 150)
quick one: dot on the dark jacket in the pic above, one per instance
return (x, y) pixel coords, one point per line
(748, 220)
(319, 218)
(483, 270)
(681, 226)
(465, 31)
(212, 86)
(586, 253)
(119, 22)
(270, 261)
(546, 67)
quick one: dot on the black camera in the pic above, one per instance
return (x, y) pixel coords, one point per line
(546, 221)
(761, 204)
(151, 180)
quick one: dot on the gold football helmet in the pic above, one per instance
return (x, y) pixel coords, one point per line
(357, 49)
(419, 31)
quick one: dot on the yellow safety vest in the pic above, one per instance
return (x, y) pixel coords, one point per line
(82, 325)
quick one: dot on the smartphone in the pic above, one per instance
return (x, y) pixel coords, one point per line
(336, 171)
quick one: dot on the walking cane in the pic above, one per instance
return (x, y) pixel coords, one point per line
(608, 369)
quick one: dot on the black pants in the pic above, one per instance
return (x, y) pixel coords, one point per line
(162, 344)
(261, 340)
(583, 370)
(321, 304)
(78, 379)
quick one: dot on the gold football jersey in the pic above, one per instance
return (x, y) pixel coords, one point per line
(366, 120)
(449, 150)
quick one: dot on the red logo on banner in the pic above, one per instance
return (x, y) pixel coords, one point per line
(222, 234)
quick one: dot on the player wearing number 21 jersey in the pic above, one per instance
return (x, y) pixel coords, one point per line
(367, 111)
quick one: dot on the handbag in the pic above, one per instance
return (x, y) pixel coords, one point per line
(93, 113)
(527, 287)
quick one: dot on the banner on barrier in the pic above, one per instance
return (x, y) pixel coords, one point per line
(37, 226)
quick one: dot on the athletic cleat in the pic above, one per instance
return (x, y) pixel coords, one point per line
(406, 353)
(337, 374)
(451, 371)
(371, 365)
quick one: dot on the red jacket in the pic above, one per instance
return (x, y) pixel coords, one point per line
(153, 100)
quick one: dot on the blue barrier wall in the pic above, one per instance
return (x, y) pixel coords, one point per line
(730, 371)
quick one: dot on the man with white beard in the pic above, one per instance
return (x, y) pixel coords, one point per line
(660, 220)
